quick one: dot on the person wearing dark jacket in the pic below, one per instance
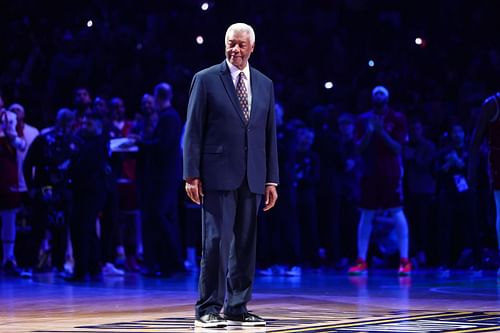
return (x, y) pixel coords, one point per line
(160, 178)
(230, 164)
(45, 170)
(92, 183)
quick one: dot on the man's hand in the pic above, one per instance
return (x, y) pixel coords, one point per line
(194, 189)
(270, 197)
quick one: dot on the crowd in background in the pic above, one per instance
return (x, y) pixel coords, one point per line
(123, 49)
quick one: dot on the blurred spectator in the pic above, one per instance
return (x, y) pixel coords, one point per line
(307, 170)
(123, 161)
(28, 134)
(382, 133)
(488, 124)
(280, 250)
(47, 178)
(318, 118)
(144, 127)
(419, 156)
(10, 199)
(458, 225)
(92, 182)
(100, 105)
(120, 124)
(347, 172)
(161, 235)
(82, 102)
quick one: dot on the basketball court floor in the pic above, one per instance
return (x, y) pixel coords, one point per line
(314, 302)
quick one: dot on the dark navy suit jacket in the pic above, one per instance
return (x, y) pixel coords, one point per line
(219, 147)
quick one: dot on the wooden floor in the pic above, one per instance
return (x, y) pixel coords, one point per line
(326, 302)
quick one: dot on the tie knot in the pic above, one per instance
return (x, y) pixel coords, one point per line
(242, 75)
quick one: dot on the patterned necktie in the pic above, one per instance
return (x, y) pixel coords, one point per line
(241, 92)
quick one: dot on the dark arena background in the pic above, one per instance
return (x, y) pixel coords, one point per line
(436, 63)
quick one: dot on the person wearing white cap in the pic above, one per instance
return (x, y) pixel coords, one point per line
(381, 133)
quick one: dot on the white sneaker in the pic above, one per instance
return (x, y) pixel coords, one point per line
(26, 273)
(294, 271)
(279, 270)
(443, 272)
(265, 272)
(110, 269)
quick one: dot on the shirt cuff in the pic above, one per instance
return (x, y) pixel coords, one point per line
(273, 184)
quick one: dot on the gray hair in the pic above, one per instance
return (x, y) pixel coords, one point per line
(241, 27)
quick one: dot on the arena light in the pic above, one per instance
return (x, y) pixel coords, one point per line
(199, 40)
(421, 42)
(328, 85)
(371, 63)
(204, 6)
(90, 24)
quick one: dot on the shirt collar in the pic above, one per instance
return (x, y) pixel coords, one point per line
(235, 71)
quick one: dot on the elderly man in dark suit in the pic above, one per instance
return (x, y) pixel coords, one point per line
(230, 162)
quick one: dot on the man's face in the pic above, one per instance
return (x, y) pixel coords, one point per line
(147, 105)
(346, 128)
(91, 126)
(416, 130)
(118, 108)
(101, 106)
(238, 48)
(82, 97)
(379, 100)
(457, 134)
(19, 111)
(66, 126)
(8, 123)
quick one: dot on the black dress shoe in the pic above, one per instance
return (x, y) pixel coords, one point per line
(244, 319)
(210, 320)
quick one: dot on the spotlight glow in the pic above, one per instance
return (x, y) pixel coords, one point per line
(418, 41)
(199, 40)
(204, 6)
(371, 63)
(90, 24)
(328, 85)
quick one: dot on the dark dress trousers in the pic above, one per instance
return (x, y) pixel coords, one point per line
(234, 161)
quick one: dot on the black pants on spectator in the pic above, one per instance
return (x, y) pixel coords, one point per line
(86, 245)
(458, 227)
(279, 235)
(161, 233)
(420, 210)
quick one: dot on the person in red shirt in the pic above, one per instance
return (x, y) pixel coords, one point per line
(488, 123)
(381, 133)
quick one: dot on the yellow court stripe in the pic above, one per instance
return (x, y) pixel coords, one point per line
(486, 329)
(487, 318)
(375, 321)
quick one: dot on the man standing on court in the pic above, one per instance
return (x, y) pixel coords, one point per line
(230, 162)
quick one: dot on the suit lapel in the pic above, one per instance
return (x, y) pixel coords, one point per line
(228, 84)
(254, 85)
